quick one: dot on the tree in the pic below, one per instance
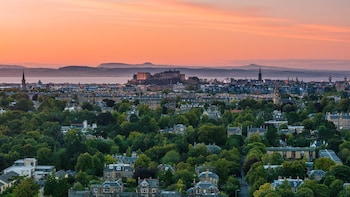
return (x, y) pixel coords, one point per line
(86, 106)
(44, 155)
(166, 178)
(186, 176)
(24, 104)
(85, 163)
(294, 169)
(171, 157)
(142, 161)
(142, 173)
(304, 192)
(232, 185)
(209, 134)
(256, 171)
(324, 164)
(74, 146)
(56, 187)
(322, 190)
(336, 186)
(105, 118)
(263, 190)
(83, 178)
(223, 168)
(274, 158)
(284, 190)
(271, 136)
(341, 172)
(26, 188)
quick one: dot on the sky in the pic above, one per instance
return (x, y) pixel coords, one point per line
(54, 33)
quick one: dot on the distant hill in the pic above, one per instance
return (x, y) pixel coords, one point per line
(128, 70)
(257, 67)
(123, 65)
(3, 66)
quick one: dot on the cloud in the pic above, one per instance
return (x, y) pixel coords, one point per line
(187, 14)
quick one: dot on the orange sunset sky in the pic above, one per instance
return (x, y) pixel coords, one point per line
(53, 33)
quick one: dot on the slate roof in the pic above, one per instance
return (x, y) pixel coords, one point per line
(7, 178)
(294, 183)
(209, 174)
(329, 154)
(151, 182)
(319, 173)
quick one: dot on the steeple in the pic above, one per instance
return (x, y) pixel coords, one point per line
(275, 94)
(259, 77)
(24, 87)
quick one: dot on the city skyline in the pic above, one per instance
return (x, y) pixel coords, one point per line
(55, 33)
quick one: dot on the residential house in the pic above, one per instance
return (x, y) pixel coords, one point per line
(113, 172)
(212, 112)
(29, 167)
(166, 167)
(212, 148)
(295, 129)
(42, 171)
(133, 111)
(7, 180)
(327, 153)
(148, 187)
(169, 194)
(84, 127)
(203, 188)
(209, 176)
(256, 131)
(294, 152)
(293, 183)
(127, 159)
(65, 173)
(107, 189)
(340, 120)
(179, 129)
(316, 174)
(23, 167)
(234, 131)
(178, 87)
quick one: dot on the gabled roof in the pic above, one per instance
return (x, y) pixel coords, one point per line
(205, 184)
(7, 178)
(149, 182)
(209, 174)
(316, 173)
(112, 184)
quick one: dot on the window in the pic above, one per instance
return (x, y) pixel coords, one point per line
(106, 190)
(144, 190)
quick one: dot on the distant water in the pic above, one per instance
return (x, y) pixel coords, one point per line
(73, 80)
(123, 80)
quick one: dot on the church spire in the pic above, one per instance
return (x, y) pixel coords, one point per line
(24, 87)
(259, 77)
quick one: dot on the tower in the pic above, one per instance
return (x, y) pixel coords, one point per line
(24, 87)
(259, 77)
(275, 94)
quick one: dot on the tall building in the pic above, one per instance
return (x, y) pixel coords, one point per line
(275, 95)
(24, 86)
(259, 77)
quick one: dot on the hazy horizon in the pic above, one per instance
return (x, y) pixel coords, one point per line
(55, 33)
(320, 64)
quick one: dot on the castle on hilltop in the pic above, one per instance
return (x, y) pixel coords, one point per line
(163, 78)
